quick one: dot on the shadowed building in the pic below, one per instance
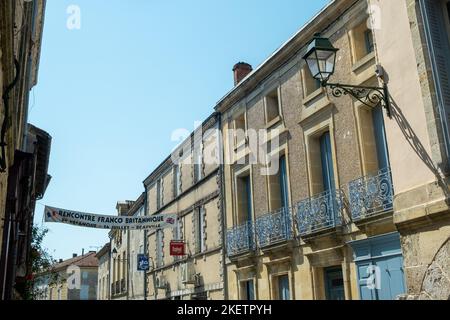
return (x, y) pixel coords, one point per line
(24, 148)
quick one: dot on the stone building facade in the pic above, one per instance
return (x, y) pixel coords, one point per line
(188, 183)
(119, 259)
(136, 245)
(322, 226)
(103, 283)
(319, 195)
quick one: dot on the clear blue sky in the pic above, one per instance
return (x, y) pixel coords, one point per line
(111, 93)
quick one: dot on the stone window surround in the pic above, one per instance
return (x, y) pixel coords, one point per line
(276, 119)
(356, 36)
(275, 269)
(324, 122)
(366, 157)
(242, 172)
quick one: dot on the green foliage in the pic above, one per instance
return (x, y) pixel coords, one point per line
(41, 264)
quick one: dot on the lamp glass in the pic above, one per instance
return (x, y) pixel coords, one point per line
(321, 58)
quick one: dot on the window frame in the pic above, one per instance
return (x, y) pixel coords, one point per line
(277, 93)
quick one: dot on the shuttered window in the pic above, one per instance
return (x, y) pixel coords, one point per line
(435, 13)
(199, 229)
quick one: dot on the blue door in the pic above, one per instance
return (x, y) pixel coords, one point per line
(327, 162)
(380, 138)
(379, 263)
(283, 288)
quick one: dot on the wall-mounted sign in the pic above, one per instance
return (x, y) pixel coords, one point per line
(142, 262)
(176, 248)
(90, 220)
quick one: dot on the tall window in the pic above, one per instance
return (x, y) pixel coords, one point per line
(199, 217)
(283, 287)
(159, 248)
(244, 199)
(368, 37)
(158, 194)
(239, 130)
(380, 137)
(327, 162)
(248, 290)
(198, 165)
(272, 106)
(283, 183)
(176, 180)
(278, 187)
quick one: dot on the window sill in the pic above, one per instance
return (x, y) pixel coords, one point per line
(313, 95)
(240, 144)
(361, 64)
(273, 122)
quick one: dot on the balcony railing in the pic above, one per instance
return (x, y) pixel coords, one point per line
(241, 239)
(371, 195)
(320, 212)
(274, 227)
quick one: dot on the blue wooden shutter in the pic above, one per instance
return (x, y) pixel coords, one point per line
(327, 162)
(380, 137)
(439, 48)
(283, 183)
(248, 193)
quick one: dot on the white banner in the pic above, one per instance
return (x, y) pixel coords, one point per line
(90, 220)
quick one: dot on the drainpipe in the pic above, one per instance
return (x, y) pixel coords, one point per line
(222, 205)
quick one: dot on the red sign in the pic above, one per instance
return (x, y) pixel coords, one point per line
(176, 248)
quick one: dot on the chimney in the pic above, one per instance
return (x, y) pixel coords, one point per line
(61, 260)
(240, 71)
(82, 251)
(74, 255)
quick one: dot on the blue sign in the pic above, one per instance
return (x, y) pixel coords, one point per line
(142, 262)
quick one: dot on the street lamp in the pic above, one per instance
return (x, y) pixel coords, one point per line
(114, 255)
(321, 60)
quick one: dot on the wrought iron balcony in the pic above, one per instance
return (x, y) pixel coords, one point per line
(274, 227)
(323, 211)
(371, 195)
(241, 239)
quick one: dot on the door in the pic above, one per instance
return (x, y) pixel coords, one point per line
(391, 277)
(334, 284)
(283, 288)
(379, 263)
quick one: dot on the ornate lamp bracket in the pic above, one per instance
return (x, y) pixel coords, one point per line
(370, 96)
